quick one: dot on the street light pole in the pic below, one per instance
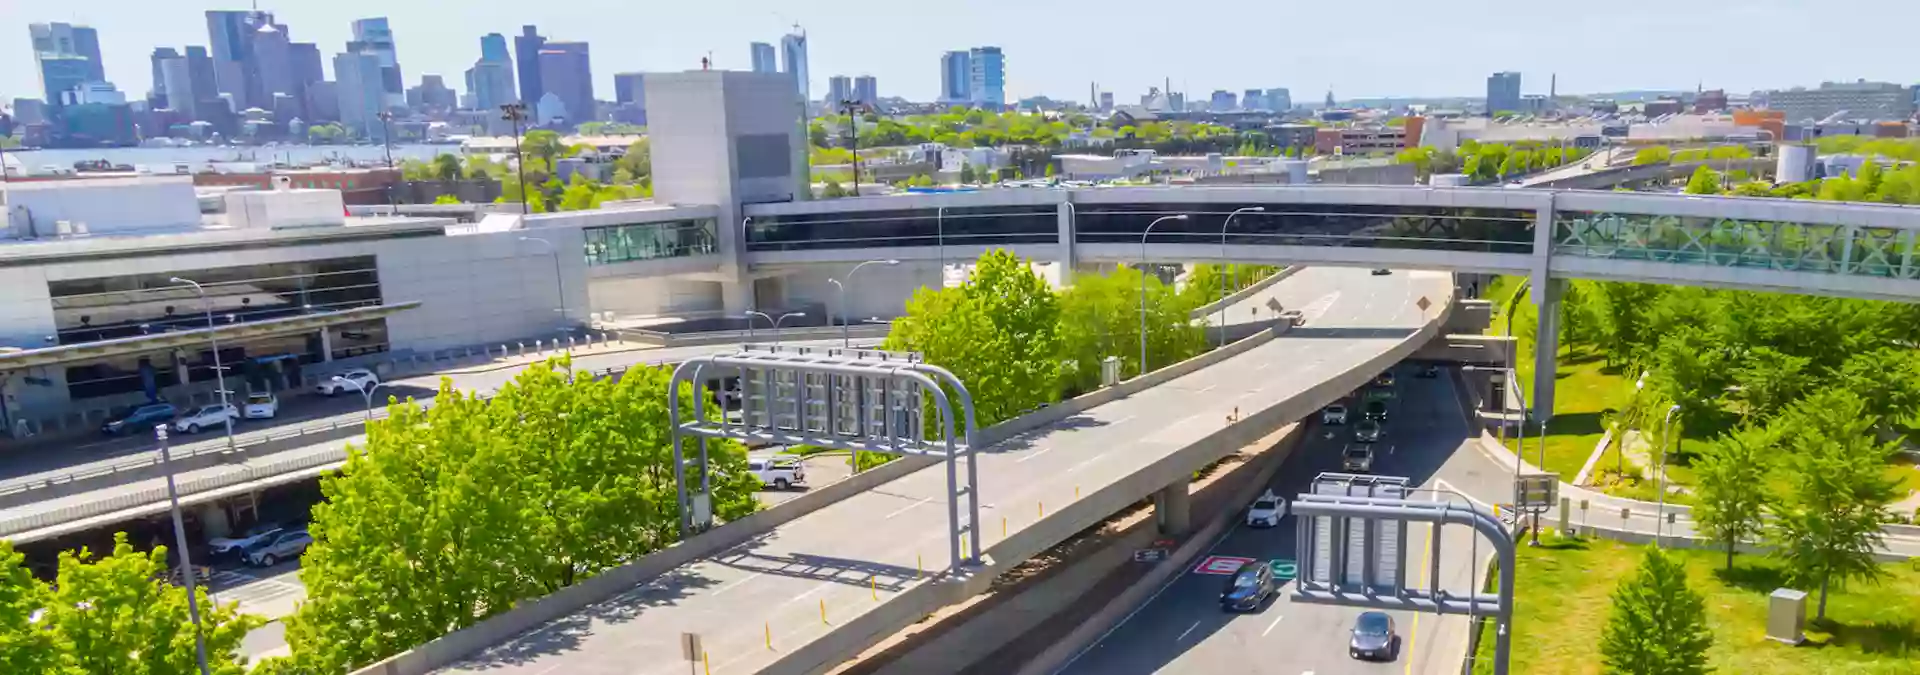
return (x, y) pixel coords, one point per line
(940, 239)
(846, 337)
(1223, 264)
(517, 113)
(776, 323)
(219, 371)
(180, 540)
(386, 138)
(559, 286)
(853, 139)
(1143, 286)
(366, 392)
(1666, 435)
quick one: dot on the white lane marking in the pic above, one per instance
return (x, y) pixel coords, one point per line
(1188, 631)
(816, 589)
(1150, 599)
(1206, 389)
(909, 507)
(736, 584)
(1276, 622)
(1263, 366)
(1023, 459)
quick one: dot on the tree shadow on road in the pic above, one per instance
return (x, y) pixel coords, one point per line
(1026, 441)
(567, 632)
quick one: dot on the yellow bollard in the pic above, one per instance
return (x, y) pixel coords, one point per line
(823, 610)
(1003, 527)
(873, 584)
(1041, 508)
(707, 660)
(963, 545)
(919, 565)
(769, 636)
(1076, 493)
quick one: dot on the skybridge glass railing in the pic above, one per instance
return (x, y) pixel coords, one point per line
(985, 225)
(1727, 242)
(1347, 225)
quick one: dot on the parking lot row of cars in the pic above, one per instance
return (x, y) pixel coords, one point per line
(257, 406)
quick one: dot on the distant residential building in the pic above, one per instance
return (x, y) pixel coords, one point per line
(1859, 100)
(361, 95)
(956, 77)
(839, 88)
(1663, 106)
(567, 73)
(1360, 141)
(765, 59)
(526, 55)
(1222, 101)
(866, 90)
(375, 36)
(987, 82)
(1503, 92)
(1279, 99)
(793, 48)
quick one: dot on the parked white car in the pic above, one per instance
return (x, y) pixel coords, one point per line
(1267, 510)
(205, 417)
(220, 546)
(262, 407)
(286, 545)
(334, 385)
(779, 473)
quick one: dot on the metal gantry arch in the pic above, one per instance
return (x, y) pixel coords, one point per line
(848, 399)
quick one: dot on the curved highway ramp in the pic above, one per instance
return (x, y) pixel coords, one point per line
(813, 591)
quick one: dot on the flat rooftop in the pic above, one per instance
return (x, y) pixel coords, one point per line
(213, 235)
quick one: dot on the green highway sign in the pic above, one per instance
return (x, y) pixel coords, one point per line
(1284, 569)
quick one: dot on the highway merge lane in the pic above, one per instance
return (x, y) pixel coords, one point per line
(830, 565)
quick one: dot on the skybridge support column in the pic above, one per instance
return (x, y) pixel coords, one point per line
(1172, 508)
(1068, 257)
(1546, 295)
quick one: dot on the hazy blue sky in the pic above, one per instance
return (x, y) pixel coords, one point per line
(1378, 48)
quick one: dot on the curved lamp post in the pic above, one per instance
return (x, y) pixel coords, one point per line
(776, 322)
(1666, 435)
(366, 392)
(1223, 263)
(559, 287)
(1143, 286)
(846, 337)
(219, 371)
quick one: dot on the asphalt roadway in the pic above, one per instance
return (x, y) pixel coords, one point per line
(1182, 629)
(840, 561)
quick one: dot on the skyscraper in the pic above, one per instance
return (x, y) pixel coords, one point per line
(274, 54)
(765, 60)
(360, 92)
(566, 72)
(1503, 92)
(236, 61)
(67, 56)
(839, 89)
(629, 88)
(157, 95)
(1279, 99)
(987, 77)
(793, 48)
(866, 90)
(304, 64)
(176, 81)
(956, 77)
(490, 80)
(375, 36)
(1222, 101)
(1254, 99)
(526, 57)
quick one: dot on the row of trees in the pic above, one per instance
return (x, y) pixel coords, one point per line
(1660, 154)
(456, 513)
(1018, 344)
(1489, 162)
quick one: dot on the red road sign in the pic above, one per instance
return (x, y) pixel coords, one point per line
(1221, 565)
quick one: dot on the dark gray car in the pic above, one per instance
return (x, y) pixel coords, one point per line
(1374, 638)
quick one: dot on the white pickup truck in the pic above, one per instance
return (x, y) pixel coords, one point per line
(779, 473)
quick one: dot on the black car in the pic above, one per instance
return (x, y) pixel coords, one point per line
(1373, 638)
(1249, 588)
(1381, 272)
(1428, 371)
(1384, 380)
(1368, 431)
(1376, 410)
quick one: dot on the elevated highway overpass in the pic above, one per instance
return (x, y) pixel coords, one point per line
(814, 590)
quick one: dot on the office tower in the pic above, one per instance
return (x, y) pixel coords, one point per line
(793, 47)
(956, 77)
(176, 83)
(62, 73)
(375, 36)
(70, 40)
(526, 57)
(323, 102)
(201, 74)
(1279, 99)
(765, 60)
(1221, 101)
(157, 95)
(306, 69)
(237, 64)
(987, 81)
(565, 72)
(432, 95)
(360, 93)
(839, 89)
(490, 80)
(274, 54)
(1106, 101)
(629, 88)
(1503, 92)
(866, 90)
(1254, 99)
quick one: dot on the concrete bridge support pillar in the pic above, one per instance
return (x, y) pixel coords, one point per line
(1067, 257)
(213, 520)
(1172, 506)
(1546, 345)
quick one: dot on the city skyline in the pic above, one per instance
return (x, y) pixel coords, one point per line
(895, 49)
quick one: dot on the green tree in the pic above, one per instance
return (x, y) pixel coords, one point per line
(450, 515)
(1731, 489)
(446, 167)
(967, 174)
(1826, 525)
(447, 199)
(1769, 380)
(1705, 181)
(1657, 625)
(1658, 154)
(999, 333)
(833, 190)
(543, 145)
(117, 614)
(637, 162)
(25, 645)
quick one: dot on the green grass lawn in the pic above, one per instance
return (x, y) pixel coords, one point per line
(1585, 388)
(1564, 595)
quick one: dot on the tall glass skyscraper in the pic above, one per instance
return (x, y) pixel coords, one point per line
(988, 77)
(956, 77)
(793, 48)
(526, 57)
(1503, 92)
(374, 36)
(765, 60)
